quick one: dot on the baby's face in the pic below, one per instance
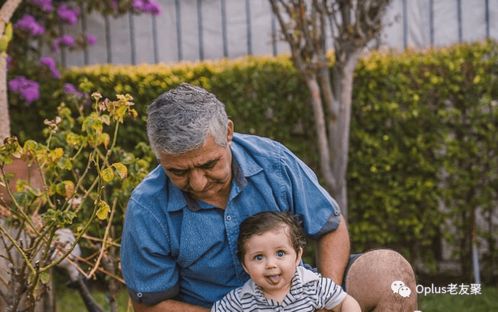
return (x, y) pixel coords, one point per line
(271, 262)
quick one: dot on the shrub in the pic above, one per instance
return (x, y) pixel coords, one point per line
(407, 158)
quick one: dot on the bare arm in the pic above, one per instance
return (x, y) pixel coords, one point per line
(349, 304)
(167, 306)
(333, 253)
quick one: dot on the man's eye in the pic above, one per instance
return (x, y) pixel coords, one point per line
(258, 257)
(209, 165)
(280, 253)
(179, 173)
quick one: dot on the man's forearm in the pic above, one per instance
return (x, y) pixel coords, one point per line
(169, 306)
(333, 253)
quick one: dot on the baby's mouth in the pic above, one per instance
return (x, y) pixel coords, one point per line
(273, 279)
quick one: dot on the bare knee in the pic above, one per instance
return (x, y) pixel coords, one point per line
(370, 281)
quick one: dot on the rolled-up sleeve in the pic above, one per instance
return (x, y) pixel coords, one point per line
(320, 213)
(150, 273)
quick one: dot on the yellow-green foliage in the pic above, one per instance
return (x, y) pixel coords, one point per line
(406, 111)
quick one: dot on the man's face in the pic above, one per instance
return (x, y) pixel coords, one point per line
(205, 173)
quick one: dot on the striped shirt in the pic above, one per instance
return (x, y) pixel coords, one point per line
(309, 292)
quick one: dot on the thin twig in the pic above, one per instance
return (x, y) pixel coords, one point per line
(104, 242)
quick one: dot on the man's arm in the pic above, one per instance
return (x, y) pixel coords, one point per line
(333, 253)
(167, 306)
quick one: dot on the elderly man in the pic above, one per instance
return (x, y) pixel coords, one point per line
(178, 250)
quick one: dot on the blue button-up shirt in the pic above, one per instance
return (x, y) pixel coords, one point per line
(174, 247)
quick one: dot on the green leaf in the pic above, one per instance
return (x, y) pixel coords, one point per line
(104, 138)
(103, 211)
(4, 43)
(105, 119)
(68, 188)
(56, 154)
(45, 277)
(120, 169)
(73, 139)
(8, 31)
(107, 174)
(65, 188)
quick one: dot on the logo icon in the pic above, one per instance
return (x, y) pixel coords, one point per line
(399, 287)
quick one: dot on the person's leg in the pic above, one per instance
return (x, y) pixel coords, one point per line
(370, 278)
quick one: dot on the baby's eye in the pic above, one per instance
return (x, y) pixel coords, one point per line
(258, 257)
(280, 253)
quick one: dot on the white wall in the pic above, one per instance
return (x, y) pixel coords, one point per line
(212, 29)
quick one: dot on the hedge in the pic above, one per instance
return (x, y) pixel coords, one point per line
(423, 157)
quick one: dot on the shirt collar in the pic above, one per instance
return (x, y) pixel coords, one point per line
(301, 277)
(243, 166)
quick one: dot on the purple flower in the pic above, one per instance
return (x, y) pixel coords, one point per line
(146, 6)
(70, 89)
(29, 24)
(65, 40)
(45, 5)
(152, 7)
(68, 14)
(29, 90)
(9, 61)
(91, 39)
(114, 5)
(50, 63)
(138, 5)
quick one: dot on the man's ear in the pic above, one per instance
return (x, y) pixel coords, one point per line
(229, 131)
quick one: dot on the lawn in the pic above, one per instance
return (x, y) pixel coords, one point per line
(485, 302)
(68, 300)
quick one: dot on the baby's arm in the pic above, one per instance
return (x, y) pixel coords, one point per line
(334, 298)
(349, 304)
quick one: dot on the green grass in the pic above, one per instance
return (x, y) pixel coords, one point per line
(68, 300)
(485, 302)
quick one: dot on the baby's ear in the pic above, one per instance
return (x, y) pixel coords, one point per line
(244, 267)
(299, 255)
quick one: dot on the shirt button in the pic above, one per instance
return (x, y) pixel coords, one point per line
(139, 295)
(228, 218)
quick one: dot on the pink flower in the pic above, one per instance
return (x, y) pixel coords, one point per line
(50, 64)
(65, 40)
(45, 5)
(91, 39)
(29, 24)
(29, 90)
(68, 14)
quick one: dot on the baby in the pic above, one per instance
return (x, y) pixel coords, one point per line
(270, 247)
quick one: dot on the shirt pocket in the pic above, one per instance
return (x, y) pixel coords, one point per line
(203, 250)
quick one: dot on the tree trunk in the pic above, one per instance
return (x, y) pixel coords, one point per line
(4, 106)
(342, 84)
(321, 131)
(8, 8)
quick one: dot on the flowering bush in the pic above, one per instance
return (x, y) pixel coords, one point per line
(79, 164)
(28, 89)
(37, 30)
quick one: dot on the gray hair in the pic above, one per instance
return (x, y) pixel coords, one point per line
(180, 120)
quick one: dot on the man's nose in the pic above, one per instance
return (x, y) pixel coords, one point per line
(197, 180)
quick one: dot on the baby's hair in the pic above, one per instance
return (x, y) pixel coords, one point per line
(263, 222)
